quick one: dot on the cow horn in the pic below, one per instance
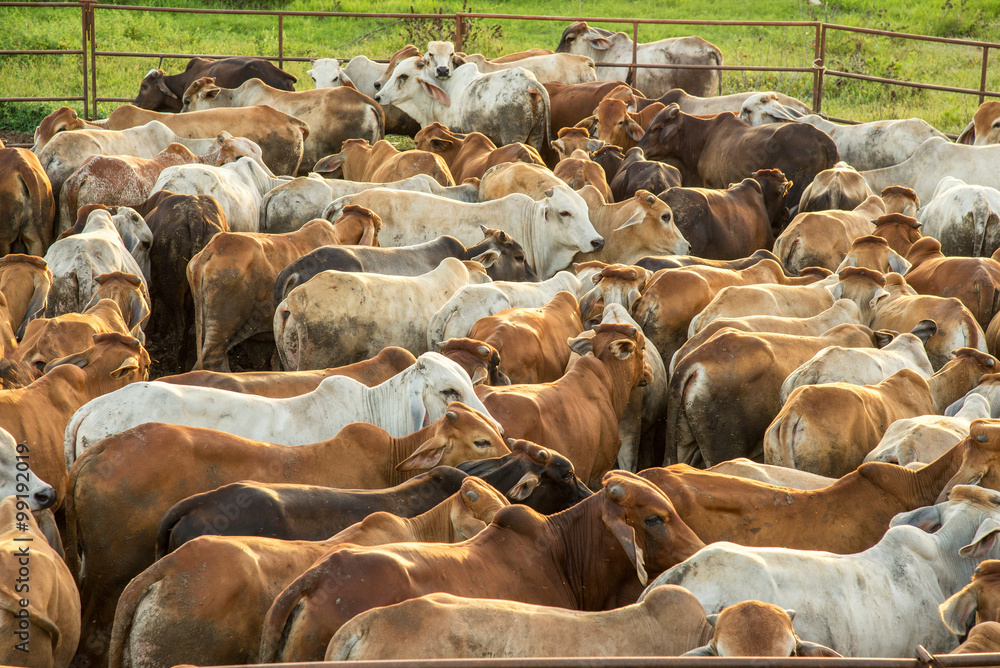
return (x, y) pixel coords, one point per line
(452, 417)
(480, 376)
(542, 455)
(617, 492)
(483, 351)
(982, 438)
(471, 495)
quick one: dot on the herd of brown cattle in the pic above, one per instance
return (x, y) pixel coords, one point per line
(661, 287)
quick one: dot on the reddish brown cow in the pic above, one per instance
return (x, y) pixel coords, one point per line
(24, 281)
(383, 163)
(578, 171)
(572, 139)
(900, 231)
(479, 359)
(470, 155)
(571, 103)
(975, 281)
(27, 207)
(616, 125)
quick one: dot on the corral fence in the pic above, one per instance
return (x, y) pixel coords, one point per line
(813, 63)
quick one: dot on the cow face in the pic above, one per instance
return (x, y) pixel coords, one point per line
(234, 148)
(663, 136)
(404, 84)
(977, 602)
(408, 51)
(203, 93)
(113, 361)
(548, 484)
(616, 126)
(980, 458)
(17, 478)
(645, 524)
(653, 221)
(502, 256)
(479, 359)
(154, 93)
(572, 139)
(567, 215)
(764, 108)
(441, 60)
(434, 382)
(61, 120)
(328, 73)
(125, 289)
(753, 628)
(581, 39)
(462, 435)
(901, 200)
(985, 125)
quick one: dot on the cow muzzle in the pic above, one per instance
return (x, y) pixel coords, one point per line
(597, 244)
(44, 497)
(443, 73)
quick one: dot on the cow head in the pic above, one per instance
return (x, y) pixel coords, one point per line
(126, 290)
(408, 51)
(901, 200)
(406, 83)
(351, 161)
(474, 506)
(610, 158)
(571, 139)
(899, 230)
(581, 39)
(873, 252)
(616, 126)
(977, 602)
(980, 458)
(774, 187)
(461, 435)
(614, 284)
(753, 628)
(234, 148)
(154, 93)
(28, 269)
(441, 60)
(18, 478)
(328, 73)
(764, 108)
(502, 256)
(969, 510)
(434, 382)
(663, 136)
(864, 287)
(201, 94)
(113, 361)
(62, 119)
(437, 138)
(645, 524)
(567, 212)
(135, 234)
(479, 359)
(985, 126)
(357, 226)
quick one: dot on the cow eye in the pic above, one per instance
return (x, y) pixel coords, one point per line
(653, 520)
(665, 218)
(451, 393)
(564, 214)
(518, 258)
(144, 86)
(404, 77)
(482, 444)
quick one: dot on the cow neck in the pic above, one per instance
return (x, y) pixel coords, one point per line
(402, 447)
(951, 384)
(531, 235)
(69, 387)
(923, 486)
(594, 564)
(695, 142)
(435, 525)
(387, 405)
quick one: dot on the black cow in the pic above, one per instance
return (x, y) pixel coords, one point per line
(160, 91)
(636, 173)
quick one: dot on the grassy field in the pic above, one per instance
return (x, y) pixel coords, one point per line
(155, 32)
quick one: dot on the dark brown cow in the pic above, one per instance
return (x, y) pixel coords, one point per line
(529, 557)
(714, 151)
(732, 223)
(160, 91)
(610, 158)
(636, 173)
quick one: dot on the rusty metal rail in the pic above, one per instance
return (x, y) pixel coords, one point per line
(816, 65)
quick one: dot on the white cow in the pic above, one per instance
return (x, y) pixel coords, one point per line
(287, 207)
(362, 73)
(16, 476)
(865, 366)
(508, 106)
(616, 47)
(935, 159)
(552, 230)
(700, 106)
(879, 603)
(456, 318)
(408, 401)
(863, 146)
(342, 317)
(330, 73)
(924, 439)
(67, 151)
(78, 260)
(564, 68)
(239, 188)
(964, 218)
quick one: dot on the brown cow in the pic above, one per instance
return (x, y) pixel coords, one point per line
(62, 119)
(517, 177)
(470, 155)
(618, 126)
(828, 429)
(571, 103)
(284, 384)
(714, 151)
(985, 126)
(27, 207)
(901, 231)
(873, 252)
(900, 199)
(977, 602)
(637, 227)
(973, 281)
(38, 414)
(754, 628)
(578, 171)
(24, 281)
(983, 638)
(531, 342)
(847, 517)
(840, 187)
(232, 282)
(578, 414)
(382, 163)
(724, 393)
(732, 223)
(227, 583)
(129, 293)
(573, 139)
(530, 558)
(477, 358)
(823, 238)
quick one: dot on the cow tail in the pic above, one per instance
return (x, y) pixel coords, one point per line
(282, 615)
(677, 424)
(128, 603)
(343, 649)
(983, 216)
(379, 118)
(175, 514)
(539, 136)
(781, 437)
(195, 278)
(439, 325)
(717, 57)
(70, 544)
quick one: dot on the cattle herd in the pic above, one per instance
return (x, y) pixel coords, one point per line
(609, 365)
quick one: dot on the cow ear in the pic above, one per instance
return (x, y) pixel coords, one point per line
(927, 518)
(441, 144)
(427, 456)
(635, 219)
(140, 311)
(884, 337)
(524, 487)
(599, 42)
(162, 85)
(581, 345)
(897, 263)
(129, 364)
(924, 330)
(985, 540)
(558, 145)
(211, 93)
(968, 135)
(837, 290)
(614, 520)
(78, 360)
(959, 612)
(418, 412)
(622, 348)
(704, 650)
(879, 295)
(435, 92)
(594, 145)
(667, 132)
(487, 258)
(589, 124)
(634, 131)
(806, 648)
(330, 163)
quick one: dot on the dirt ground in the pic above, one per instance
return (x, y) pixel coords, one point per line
(14, 138)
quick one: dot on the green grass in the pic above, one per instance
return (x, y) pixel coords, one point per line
(120, 30)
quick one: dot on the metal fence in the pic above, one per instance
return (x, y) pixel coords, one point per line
(90, 54)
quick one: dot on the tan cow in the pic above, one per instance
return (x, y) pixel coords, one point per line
(618, 126)
(517, 177)
(873, 252)
(823, 238)
(900, 230)
(574, 139)
(232, 284)
(564, 68)
(60, 120)
(973, 281)
(724, 394)
(902, 200)
(828, 429)
(128, 291)
(227, 583)
(840, 187)
(985, 126)
(27, 206)
(641, 225)
(382, 163)
(40, 612)
(531, 342)
(578, 171)
(470, 155)
(668, 622)
(976, 603)
(778, 476)
(753, 628)
(24, 281)
(983, 638)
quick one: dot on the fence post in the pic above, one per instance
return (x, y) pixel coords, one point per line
(281, 41)
(633, 76)
(819, 66)
(83, 57)
(92, 20)
(459, 29)
(982, 79)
